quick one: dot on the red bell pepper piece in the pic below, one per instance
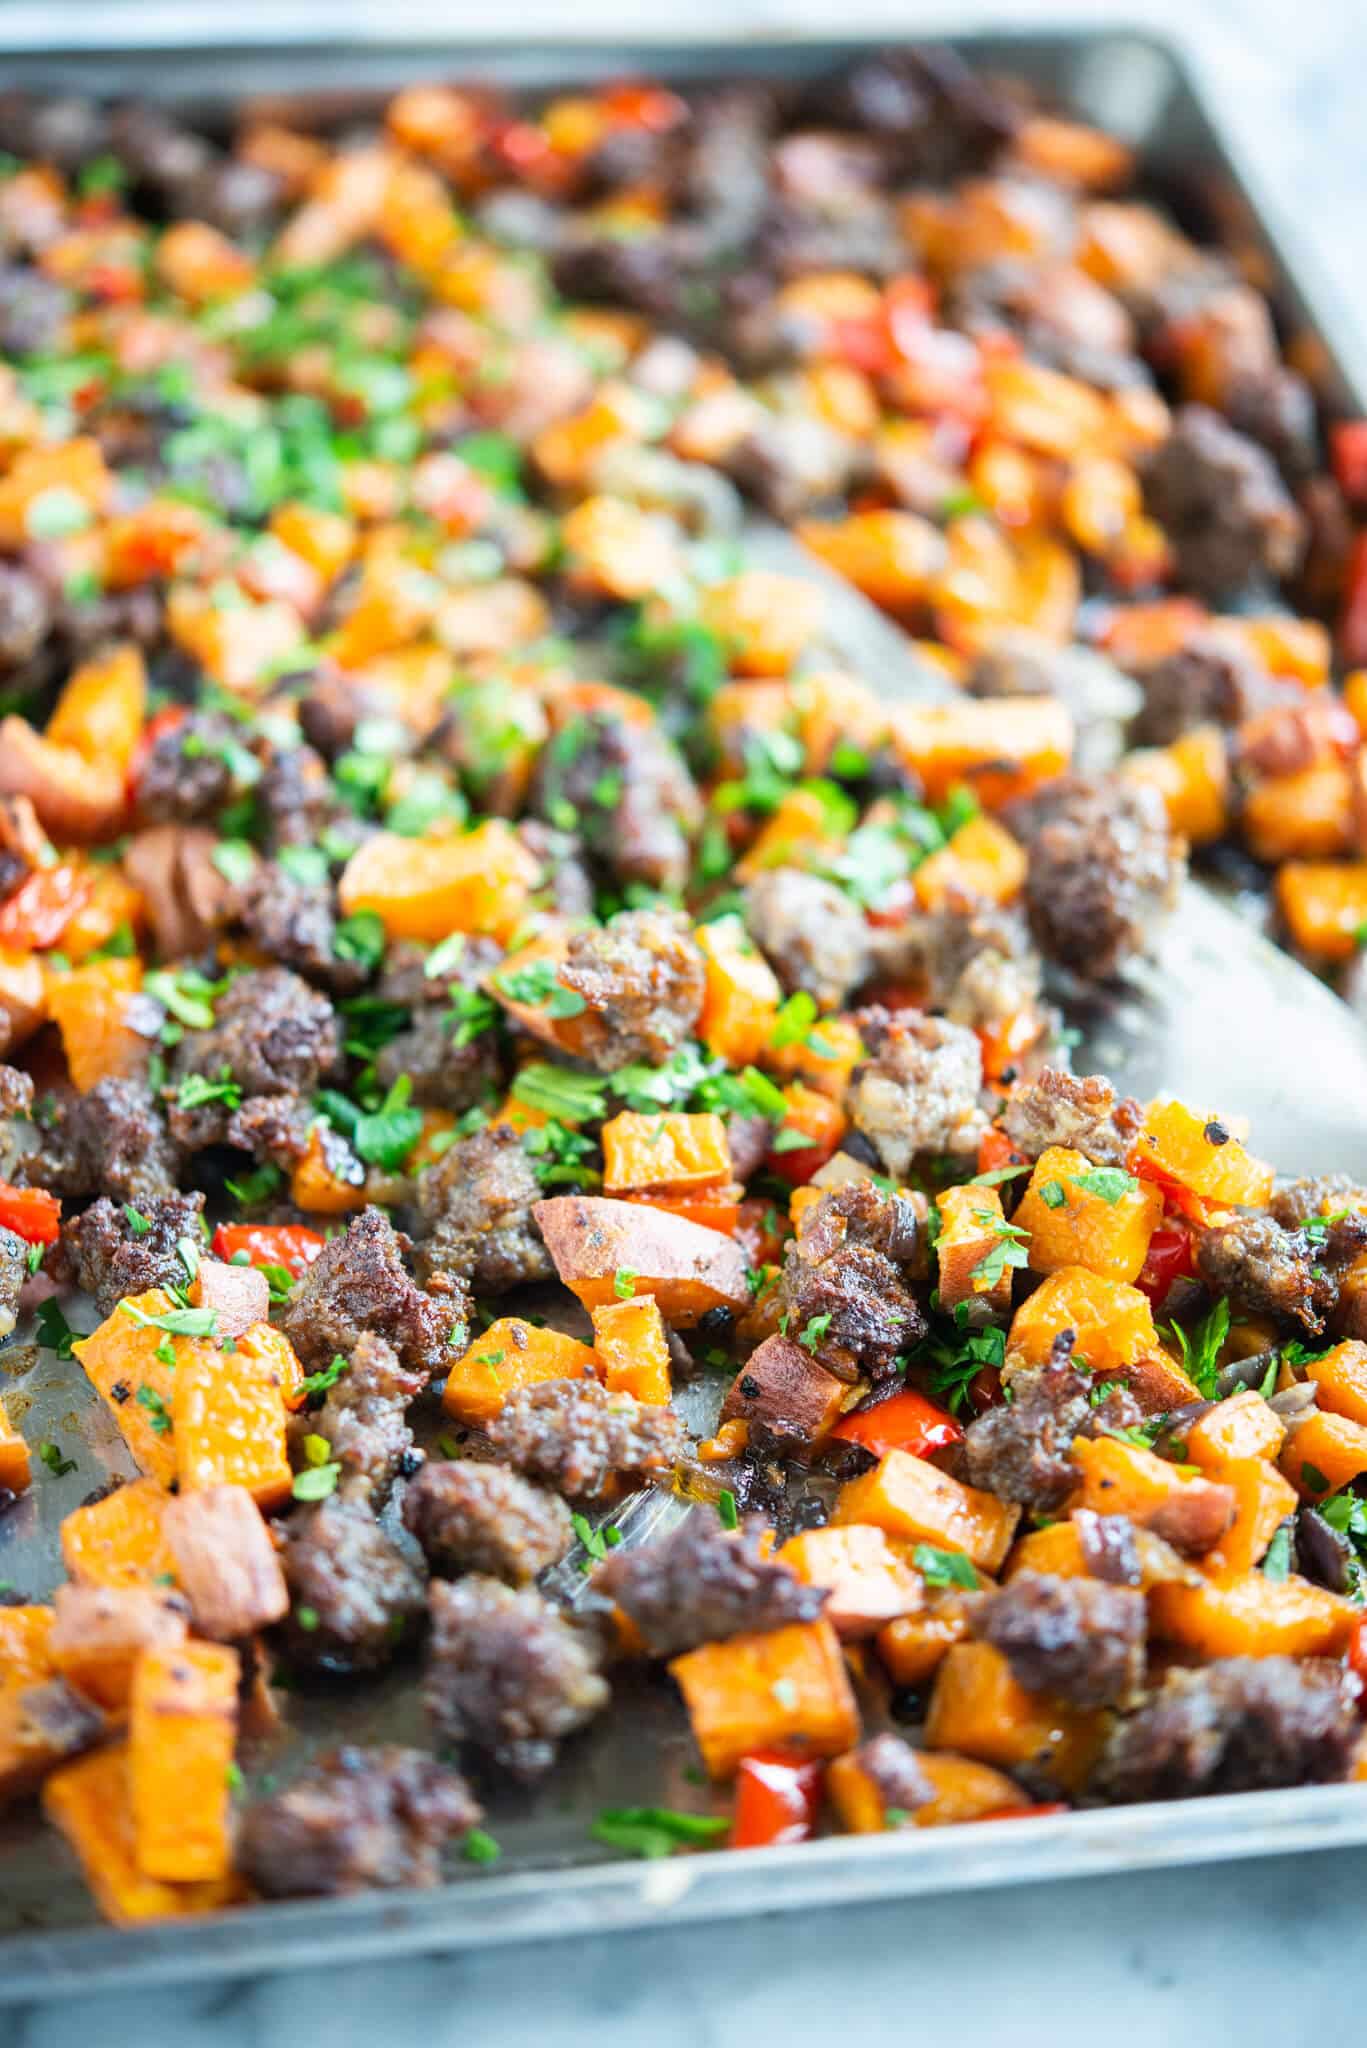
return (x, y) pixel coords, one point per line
(42, 907)
(1025, 1812)
(996, 1151)
(291, 1245)
(31, 1213)
(1348, 454)
(1169, 1258)
(1353, 619)
(778, 1799)
(904, 1422)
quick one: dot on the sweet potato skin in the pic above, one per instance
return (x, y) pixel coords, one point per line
(687, 1268)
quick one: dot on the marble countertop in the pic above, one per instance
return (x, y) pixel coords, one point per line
(1259, 1952)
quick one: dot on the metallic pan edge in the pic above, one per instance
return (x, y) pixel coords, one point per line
(72, 47)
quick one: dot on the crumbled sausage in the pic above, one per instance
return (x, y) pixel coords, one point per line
(1081, 1112)
(574, 1436)
(642, 977)
(1225, 510)
(919, 1091)
(114, 1254)
(486, 1518)
(272, 1035)
(700, 1584)
(1079, 1639)
(1209, 680)
(813, 935)
(1102, 869)
(364, 1416)
(635, 801)
(508, 1673)
(846, 1280)
(1244, 1724)
(354, 1594)
(188, 775)
(356, 1820)
(477, 1199)
(358, 1284)
(110, 1140)
(295, 923)
(893, 1768)
(1275, 1271)
(1022, 1449)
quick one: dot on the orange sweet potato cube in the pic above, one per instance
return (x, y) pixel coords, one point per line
(672, 1150)
(1341, 1376)
(914, 1646)
(120, 1540)
(1323, 1453)
(742, 995)
(1241, 1426)
(1182, 1148)
(1078, 1214)
(229, 1422)
(978, 1708)
(511, 1354)
(14, 1458)
(89, 1803)
(786, 1689)
(915, 1502)
(1262, 1501)
(1250, 1615)
(1112, 1323)
(869, 1581)
(633, 1349)
(972, 1230)
(182, 1732)
(121, 1361)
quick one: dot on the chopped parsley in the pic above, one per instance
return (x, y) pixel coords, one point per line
(56, 1464)
(319, 1382)
(955, 1371)
(195, 1091)
(1200, 1348)
(793, 1025)
(624, 1283)
(1008, 1252)
(235, 860)
(727, 1509)
(1277, 1563)
(559, 1092)
(385, 1137)
(655, 1831)
(1053, 1194)
(177, 1322)
(814, 1331)
(1110, 1184)
(790, 1140)
(255, 1187)
(158, 1414)
(480, 1848)
(593, 1540)
(360, 938)
(539, 987)
(137, 1222)
(316, 1482)
(54, 1331)
(943, 1568)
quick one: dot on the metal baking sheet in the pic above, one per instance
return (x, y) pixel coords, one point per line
(1219, 1015)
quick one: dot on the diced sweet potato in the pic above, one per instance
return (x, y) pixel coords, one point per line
(226, 1562)
(94, 1009)
(1262, 1501)
(14, 1458)
(89, 1803)
(102, 707)
(1121, 1478)
(238, 1295)
(633, 1349)
(1178, 1148)
(25, 1643)
(120, 1361)
(797, 834)
(1192, 777)
(787, 1690)
(72, 468)
(869, 1581)
(1058, 1550)
(274, 1359)
(182, 1732)
(229, 1426)
(765, 620)
(1112, 1323)
(914, 1646)
(672, 1150)
(742, 997)
(1251, 1615)
(121, 1540)
(1304, 816)
(319, 1188)
(42, 1722)
(972, 1229)
(1323, 1453)
(980, 859)
(1324, 904)
(527, 988)
(1242, 1426)
(782, 1389)
(964, 1790)
(824, 1060)
(978, 1708)
(428, 888)
(75, 799)
(915, 1502)
(511, 1354)
(689, 1270)
(1078, 1214)
(1341, 1376)
(98, 1633)
(1000, 747)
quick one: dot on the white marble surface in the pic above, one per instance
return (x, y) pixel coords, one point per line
(1259, 1953)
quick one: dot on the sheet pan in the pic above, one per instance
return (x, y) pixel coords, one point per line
(552, 1881)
